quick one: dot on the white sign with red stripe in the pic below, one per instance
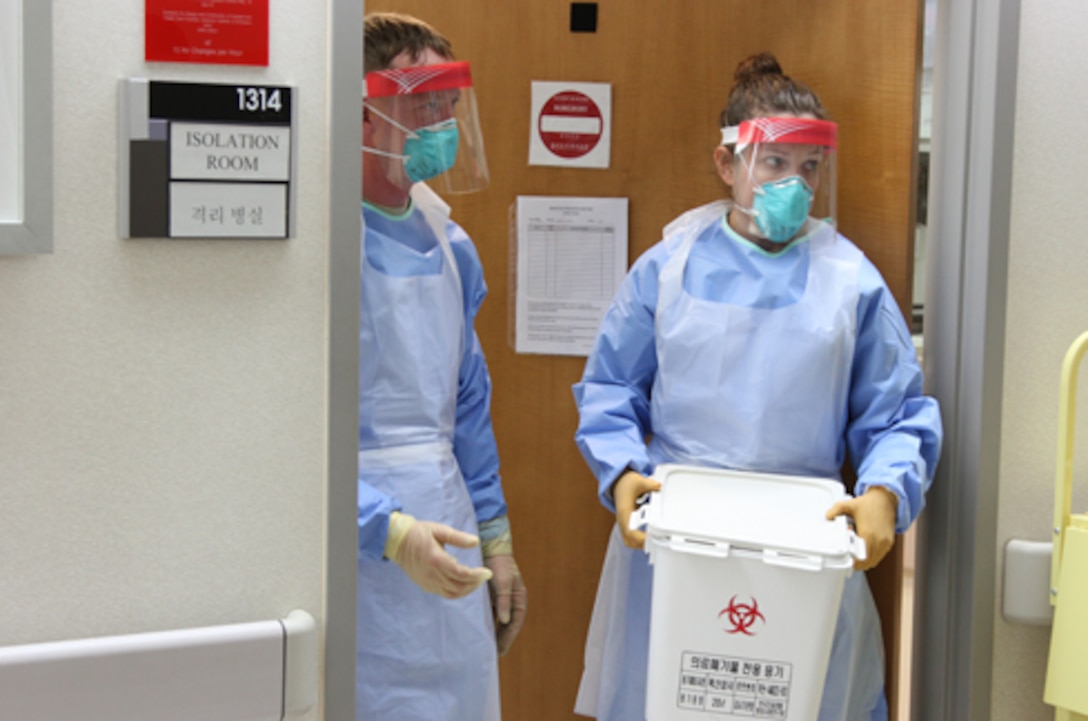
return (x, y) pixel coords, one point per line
(570, 124)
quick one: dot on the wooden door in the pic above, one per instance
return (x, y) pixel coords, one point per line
(670, 63)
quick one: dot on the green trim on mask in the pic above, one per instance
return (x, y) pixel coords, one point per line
(391, 216)
(759, 249)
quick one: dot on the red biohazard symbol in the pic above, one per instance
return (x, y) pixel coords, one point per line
(742, 616)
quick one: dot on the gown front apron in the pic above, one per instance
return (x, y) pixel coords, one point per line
(419, 656)
(767, 393)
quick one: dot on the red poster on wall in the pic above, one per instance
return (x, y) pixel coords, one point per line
(230, 32)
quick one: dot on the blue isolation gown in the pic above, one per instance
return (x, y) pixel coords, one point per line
(426, 448)
(724, 355)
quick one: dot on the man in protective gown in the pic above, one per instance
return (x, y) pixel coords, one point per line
(433, 528)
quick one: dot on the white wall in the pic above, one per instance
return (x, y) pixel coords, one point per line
(11, 106)
(163, 403)
(1047, 309)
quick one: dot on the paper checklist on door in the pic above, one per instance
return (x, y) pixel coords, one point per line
(571, 259)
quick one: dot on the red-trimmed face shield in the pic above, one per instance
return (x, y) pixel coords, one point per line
(427, 126)
(784, 174)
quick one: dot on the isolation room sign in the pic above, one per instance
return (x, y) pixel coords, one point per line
(207, 160)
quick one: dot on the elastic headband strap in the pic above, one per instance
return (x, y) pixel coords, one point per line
(417, 79)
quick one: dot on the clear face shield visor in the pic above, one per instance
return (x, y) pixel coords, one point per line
(784, 175)
(431, 126)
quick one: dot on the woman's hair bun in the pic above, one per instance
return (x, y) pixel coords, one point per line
(756, 65)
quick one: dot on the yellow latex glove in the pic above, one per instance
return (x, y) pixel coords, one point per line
(625, 491)
(509, 597)
(874, 513)
(418, 547)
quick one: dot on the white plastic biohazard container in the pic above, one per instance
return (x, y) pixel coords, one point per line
(748, 575)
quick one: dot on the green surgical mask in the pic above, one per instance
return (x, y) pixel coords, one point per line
(428, 151)
(781, 207)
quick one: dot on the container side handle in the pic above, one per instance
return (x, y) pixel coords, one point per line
(857, 545)
(698, 548)
(640, 517)
(792, 560)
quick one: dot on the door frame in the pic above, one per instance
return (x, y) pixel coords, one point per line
(345, 123)
(974, 102)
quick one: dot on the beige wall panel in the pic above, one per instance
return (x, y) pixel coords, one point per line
(1046, 310)
(164, 403)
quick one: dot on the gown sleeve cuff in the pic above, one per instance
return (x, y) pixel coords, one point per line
(495, 538)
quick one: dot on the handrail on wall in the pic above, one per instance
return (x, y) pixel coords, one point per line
(1063, 481)
(1065, 689)
(259, 671)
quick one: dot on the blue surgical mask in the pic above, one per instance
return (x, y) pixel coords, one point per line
(428, 151)
(781, 207)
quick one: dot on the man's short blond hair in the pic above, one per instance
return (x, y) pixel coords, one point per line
(387, 35)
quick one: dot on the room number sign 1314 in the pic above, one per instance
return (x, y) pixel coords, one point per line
(259, 100)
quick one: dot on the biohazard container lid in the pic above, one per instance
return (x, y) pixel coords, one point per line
(778, 518)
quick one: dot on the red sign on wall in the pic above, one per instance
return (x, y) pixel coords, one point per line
(570, 124)
(229, 32)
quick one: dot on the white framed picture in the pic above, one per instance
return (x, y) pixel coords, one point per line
(26, 127)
